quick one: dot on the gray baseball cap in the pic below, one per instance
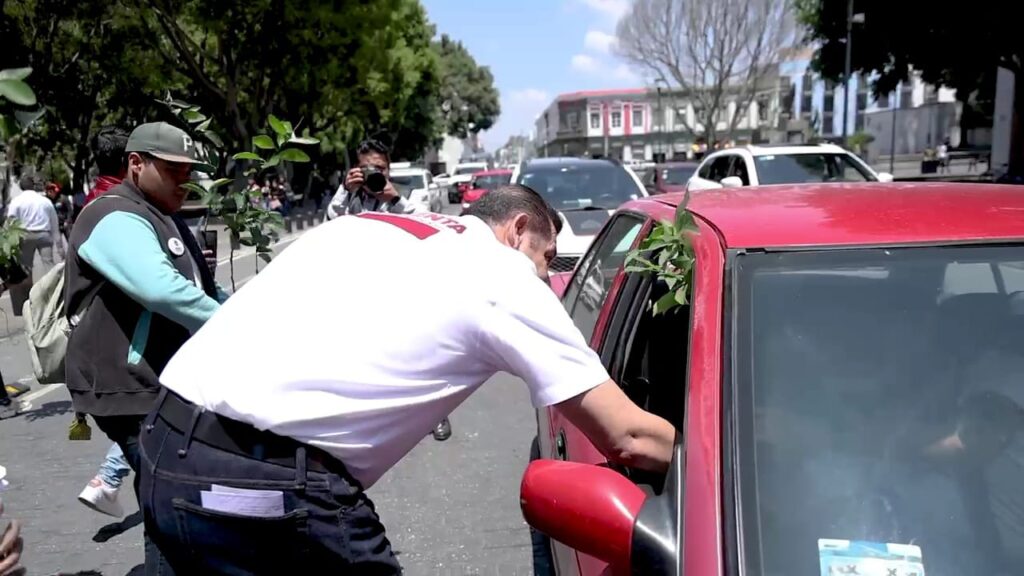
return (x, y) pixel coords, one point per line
(166, 142)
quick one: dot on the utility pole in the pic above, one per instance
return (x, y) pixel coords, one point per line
(849, 58)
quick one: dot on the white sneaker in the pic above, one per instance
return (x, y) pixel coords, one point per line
(101, 497)
(14, 408)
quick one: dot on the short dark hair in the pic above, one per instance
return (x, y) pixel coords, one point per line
(108, 148)
(372, 145)
(498, 205)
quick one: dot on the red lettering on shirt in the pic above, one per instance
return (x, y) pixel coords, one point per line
(421, 230)
(446, 221)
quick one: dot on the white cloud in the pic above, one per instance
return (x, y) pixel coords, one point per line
(625, 73)
(598, 41)
(529, 96)
(585, 63)
(613, 9)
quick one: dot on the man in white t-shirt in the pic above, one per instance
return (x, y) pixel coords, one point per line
(259, 465)
(37, 216)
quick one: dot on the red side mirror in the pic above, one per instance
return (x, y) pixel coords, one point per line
(588, 508)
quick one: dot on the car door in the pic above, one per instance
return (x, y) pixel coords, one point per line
(711, 172)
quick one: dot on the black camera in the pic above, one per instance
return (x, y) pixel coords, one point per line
(374, 179)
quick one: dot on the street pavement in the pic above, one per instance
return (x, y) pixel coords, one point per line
(451, 508)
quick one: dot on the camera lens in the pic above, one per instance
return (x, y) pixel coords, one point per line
(376, 182)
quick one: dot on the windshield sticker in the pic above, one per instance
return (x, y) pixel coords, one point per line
(584, 202)
(859, 558)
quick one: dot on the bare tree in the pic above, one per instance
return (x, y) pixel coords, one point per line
(711, 51)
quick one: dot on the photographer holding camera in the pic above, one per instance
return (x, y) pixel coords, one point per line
(368, 187)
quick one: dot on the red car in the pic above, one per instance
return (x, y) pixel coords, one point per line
(847, 384)
(482, 183)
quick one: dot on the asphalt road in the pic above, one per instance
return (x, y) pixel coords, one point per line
(451, 507)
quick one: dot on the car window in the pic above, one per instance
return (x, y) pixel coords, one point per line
(676, 175)
(880, 410)
(588, 288)
(405, 184)
(491, 181)
(582, 186)
(801, 168)
(720, 167)
(739, 169)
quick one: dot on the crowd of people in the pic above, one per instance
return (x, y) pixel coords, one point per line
(246, 466)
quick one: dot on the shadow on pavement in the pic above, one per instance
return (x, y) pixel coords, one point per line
(49, 409)
(117, 528)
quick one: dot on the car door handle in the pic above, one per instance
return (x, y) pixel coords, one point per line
(560, 451)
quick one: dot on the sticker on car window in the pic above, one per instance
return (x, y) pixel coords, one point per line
(584, 202)
(769, 157)
(860, 558)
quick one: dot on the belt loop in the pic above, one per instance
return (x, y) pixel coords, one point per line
(197, 411)
(147, 424)
(300, 467)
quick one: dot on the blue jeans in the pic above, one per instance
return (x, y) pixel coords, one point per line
(114, 468)
(329, 523)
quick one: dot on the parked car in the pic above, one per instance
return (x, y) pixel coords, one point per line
(584, 192)
(668, 177)
(460, 178)
(847, 383)
(782, 164)
(418, 186)
(484, 182)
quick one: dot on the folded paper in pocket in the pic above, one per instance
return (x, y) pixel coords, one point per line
(242, 502)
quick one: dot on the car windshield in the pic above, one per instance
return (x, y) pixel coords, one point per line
(576, 186)
(800, 168)
(405, 184)
(879, 406)
(463, 170)
(491, 181)
(677, 175)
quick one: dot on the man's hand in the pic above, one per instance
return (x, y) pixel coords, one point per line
(10, 547)
(388, 193)
(354, 180)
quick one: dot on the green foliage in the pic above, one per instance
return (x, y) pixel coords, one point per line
(671, 247)
(467, 89)
(11, 234)
(860, 140)
(248, 222)
(17, 91)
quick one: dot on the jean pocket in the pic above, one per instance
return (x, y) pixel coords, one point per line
(222, 542)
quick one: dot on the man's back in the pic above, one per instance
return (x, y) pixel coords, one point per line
(33, 211)
(401, 339)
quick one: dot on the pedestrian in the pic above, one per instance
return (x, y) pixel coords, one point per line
(355, 197)
(148, 285)
(102, 491)
(943, 153)
(258, 465)
(37, 216)
(108, 150)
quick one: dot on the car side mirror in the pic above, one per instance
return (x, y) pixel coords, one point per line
(731, 182)
(589, 508)
(884, 177)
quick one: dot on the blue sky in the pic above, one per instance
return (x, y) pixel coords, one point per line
(536, 49)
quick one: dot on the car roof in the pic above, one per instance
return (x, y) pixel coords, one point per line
(871, 213)
(687, 164)
(788, 149)
(566, 161)
(495, 172)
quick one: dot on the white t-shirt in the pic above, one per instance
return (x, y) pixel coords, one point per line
(35, 212)
(422, 309)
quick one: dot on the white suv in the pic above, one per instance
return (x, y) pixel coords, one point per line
(781, 164)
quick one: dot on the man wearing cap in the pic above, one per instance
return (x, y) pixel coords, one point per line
(135, 291)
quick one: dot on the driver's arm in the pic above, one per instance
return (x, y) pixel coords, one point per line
(621, 430)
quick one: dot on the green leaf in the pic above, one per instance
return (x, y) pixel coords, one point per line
(17, 92)
(680, 295)
(193, 115)
(214, 138)
(247, 156)
(203, 127)
(303, 140)
(265, 256)
(273, 161)
(194, 187)
(220, 182)
(180, 104)
(246, 241)
(277, 125)
(665, 303)
(263, 141)
(288, 127)
(294, 155)
(15, 73)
